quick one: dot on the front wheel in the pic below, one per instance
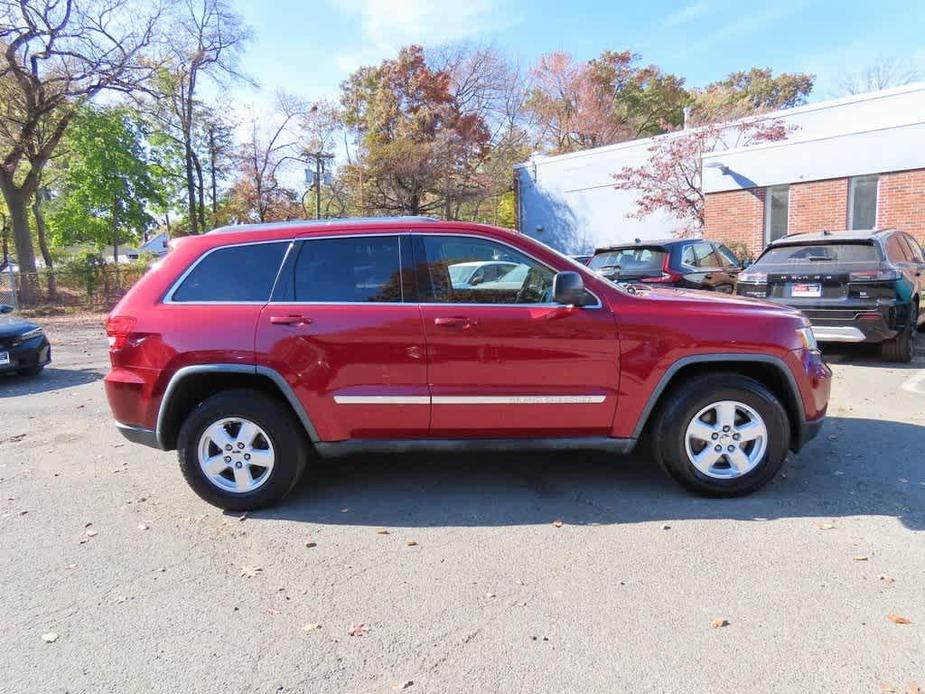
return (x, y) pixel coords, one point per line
(722, 435)
(241, 450)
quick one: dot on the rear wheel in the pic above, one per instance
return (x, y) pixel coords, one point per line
(721, 435)
(242, 450)
(902, 347)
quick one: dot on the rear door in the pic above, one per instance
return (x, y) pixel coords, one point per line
(345, 331)
(702, 267)
(504, 360)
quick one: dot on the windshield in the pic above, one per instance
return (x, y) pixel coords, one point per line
(818, 253)
(629, 260)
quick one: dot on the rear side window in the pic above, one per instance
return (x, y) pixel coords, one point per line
(358, 269)
(701, 255)
(896, 250)
(233, 274)
(915, 249)
(829, 253)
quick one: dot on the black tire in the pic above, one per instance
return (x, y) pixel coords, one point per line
(286, 435)
(32, 370)
(901, 349)
(681, 406)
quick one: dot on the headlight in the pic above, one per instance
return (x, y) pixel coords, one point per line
(808, 339)
(35, 332)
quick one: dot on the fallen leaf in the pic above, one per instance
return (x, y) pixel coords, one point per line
(311, 627)
(666, 527)
(557, 524)
(887, 579)
(719, 622)
(50, 637)
(311, 543)
(382, 532)
(914, 689)
(119, 600)
(826, 526)
(357, 630)
(15, 439)
(250, 571)
(411, 543)
(92, 533)
(142, 526)
(403, 685)
(861, 557)
(898, 619)
(23, 512)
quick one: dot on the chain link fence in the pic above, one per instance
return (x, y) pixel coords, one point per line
(91, 286)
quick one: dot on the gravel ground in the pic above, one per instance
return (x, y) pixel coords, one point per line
(455, 565)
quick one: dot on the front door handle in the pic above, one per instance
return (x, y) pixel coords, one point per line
(290, 320)
(454, 322)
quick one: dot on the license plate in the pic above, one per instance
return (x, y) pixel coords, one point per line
(806, 290)
(4, 358)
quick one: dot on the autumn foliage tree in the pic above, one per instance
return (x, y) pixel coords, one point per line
(416, 150)
(670, 180)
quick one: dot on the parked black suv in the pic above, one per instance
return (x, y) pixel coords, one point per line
(686, 263)
(854, 286)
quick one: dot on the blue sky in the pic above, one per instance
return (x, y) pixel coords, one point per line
(307, 48)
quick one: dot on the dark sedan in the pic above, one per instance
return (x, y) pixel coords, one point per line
(23, 345)
(684, 263)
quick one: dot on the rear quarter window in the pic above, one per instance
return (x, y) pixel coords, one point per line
(233, 274)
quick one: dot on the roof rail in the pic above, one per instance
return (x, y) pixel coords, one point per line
(319, 222)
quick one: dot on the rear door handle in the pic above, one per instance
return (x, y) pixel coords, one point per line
(290, 320)
(454, 322)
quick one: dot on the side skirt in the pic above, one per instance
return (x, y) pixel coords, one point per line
(337, 449)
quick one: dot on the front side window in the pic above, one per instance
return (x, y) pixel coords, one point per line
(519, 279)
(701, 255)
(862, 202)
(776, 212)
(358, 269)
(233, 274)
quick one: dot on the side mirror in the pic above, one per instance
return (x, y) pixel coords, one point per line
(568, 288)
(6, 308)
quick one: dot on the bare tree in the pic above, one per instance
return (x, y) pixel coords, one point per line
(205, 39)
(883, 74)
(56, 55)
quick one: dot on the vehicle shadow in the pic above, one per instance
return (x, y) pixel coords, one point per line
(864, 354)
(855, 467)
(52, 378)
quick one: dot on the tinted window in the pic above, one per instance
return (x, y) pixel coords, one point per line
(236, 273)
(524, 281)
(896, 251)
(915, 248)
(830, 253)
(728, 257)
(628, 261)
(701, 255)
(356, 269)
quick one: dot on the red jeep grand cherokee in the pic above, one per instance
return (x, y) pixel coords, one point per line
(251, 348)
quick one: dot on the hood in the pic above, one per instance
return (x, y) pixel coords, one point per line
(10, 327)
(711, 300)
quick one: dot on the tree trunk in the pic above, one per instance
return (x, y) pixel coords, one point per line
(202, 200)
(191, 190)
(212, 172)
(43, 245)
(17, 202)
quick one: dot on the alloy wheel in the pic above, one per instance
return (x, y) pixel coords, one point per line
(726, 439)
(236, 455)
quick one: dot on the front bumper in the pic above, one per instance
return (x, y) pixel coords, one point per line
(27, 355)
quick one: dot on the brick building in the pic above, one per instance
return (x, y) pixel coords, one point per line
(856, 162)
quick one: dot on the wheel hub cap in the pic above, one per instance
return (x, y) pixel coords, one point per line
(726, 439)
(236, 455)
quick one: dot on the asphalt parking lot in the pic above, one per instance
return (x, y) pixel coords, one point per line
(455, 565)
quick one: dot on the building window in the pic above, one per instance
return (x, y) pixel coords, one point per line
(776, 212)
(862, 202)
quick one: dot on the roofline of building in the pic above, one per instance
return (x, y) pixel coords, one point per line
(806, 108)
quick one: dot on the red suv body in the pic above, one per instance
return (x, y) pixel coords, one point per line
(252, 348)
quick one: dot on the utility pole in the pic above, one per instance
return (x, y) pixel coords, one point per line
(319, 159)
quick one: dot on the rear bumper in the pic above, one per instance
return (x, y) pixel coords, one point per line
(854, 321)
(135, 434)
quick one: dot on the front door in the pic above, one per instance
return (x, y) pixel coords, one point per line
(503, 359)
(339, 331)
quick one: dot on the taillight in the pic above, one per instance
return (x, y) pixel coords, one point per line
(753, 277)
(873, 276)
(667, 276)
(118, 328)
